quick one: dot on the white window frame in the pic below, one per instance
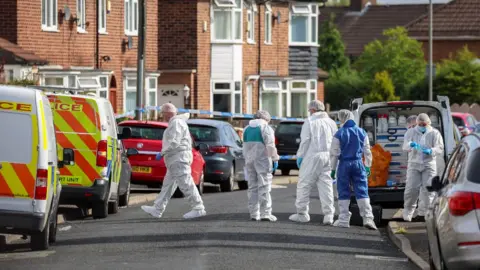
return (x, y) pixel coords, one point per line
(102, 27)
(312, 14)
(88, 85)
(151, 90)
(231, 91)
(268, 24)
(234, 9)
(130, 18)
(266, 87)
(81, 16)
(251, 14)
(49, 18)
(103, 89)
(128, 89)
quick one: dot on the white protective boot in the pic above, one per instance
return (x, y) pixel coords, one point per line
(194, 214)
(407, 215)
(152, 210)
(270, 218)
(366, 213)
(328, 220)
(345, 214)
(302, 218)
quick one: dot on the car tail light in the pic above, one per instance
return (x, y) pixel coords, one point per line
(276, 140)
(41, 184)
(219, 149)
(102, 153)
(463, 202)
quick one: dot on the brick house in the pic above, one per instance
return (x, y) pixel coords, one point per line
(85, 43)
(456, 24)
(239, 55)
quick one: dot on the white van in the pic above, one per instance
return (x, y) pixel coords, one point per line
(389, 134)
(29, 186)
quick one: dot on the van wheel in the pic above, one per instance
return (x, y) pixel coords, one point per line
(52, 238)
(40, 241)
(125, 198)
(113, 206)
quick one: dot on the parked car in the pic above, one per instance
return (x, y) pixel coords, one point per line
(146, 137)
(453, 218)
(287, 141)
(223, 153)
(465, 122)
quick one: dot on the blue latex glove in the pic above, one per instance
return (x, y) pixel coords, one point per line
(413, 145)
(333, 174)
(299, 162)
(159, 156)
(275, 166)
(427, 151)
(369, 172)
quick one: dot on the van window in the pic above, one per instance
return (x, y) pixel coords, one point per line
(16, 138)
(73, 114)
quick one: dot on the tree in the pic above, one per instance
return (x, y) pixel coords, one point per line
(459, 78)
(401, 56)
(331, 54)
(382, 89)
(342, 86)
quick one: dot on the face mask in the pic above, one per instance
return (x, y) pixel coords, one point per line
(422, 129)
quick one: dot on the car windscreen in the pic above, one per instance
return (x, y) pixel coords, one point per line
(204, 133)
(473, 170)
(289, 128)
(145, 132)
(458, 121)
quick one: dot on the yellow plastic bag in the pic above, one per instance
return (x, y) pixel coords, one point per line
(380, 165)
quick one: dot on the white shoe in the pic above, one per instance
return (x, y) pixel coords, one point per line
(270, 218)
(152, 210)
(194, 214)
(328, 220)
(303, 218)
(254, 218)
(407, 217)
(341, 224)
(369, 224)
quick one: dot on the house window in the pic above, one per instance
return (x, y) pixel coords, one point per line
(10, 75)
(102, 7)
(270, 96)
(81, 23)
(304, 24)
(151, 86)
(227, 97)
(54, 81)
(49, 15)
(251, 15)
(131, 17)
(301, 93)
(227, 21)
(130, 94)
(103, 90)
(268, 23)
(88, 83)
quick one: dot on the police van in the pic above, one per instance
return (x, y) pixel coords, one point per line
(86, 124)
(29, 186)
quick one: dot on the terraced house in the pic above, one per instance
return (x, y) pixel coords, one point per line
(222, 55)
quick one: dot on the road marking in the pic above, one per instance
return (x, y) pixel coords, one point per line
(26, 255)
(278, 186)
(209, 253)
(381, 258)
(65, 228)
(398, 214)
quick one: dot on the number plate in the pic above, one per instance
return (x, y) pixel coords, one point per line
(141, 169)
(65, 180)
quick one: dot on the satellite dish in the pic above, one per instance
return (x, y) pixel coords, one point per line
(67, 13)
(130, 42)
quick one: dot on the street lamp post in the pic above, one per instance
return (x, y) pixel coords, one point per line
(141, 59)
(430, 52)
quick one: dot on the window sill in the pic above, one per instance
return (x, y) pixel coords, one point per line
(131, 34)
(303, 44)
(53, 30)
(268, 43)
(251, 42)
(81, 31)
(238, 42)
(103, 33)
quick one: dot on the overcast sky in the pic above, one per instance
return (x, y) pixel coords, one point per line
(383, 2)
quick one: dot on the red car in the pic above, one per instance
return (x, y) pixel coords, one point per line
(465, 122)
(147, 139)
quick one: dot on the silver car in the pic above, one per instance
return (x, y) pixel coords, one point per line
(453, 219)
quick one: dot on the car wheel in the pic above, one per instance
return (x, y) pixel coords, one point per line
(227, 186)
(125, 198)
(243, 185)
(200, 186)
(52, 238)
(40, 241)
(285, 172)
(113, 206)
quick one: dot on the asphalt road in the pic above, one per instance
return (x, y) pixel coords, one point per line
(224, 239)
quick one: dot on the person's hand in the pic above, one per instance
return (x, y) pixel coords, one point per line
(413, 144)
(159, 156)
(299, 162)
(275, 166)
(333, 174)
(369, 171)
(427, 151)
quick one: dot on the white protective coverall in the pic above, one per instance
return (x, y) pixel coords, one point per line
(316, 139)
(421, 169)
(177, 154)
(259, 151)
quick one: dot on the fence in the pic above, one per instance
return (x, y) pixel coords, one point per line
(473, 109)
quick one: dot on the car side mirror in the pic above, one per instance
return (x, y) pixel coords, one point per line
(436, 185)
(68, 158)
(132, 152)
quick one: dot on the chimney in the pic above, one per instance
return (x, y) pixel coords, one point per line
(359, 5)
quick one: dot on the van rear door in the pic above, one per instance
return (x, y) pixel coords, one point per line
(449, 137)
(77, 126)
(19, 138)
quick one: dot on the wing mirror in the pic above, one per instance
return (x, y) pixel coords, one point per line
(436, 185)
(132, 152)
(67, 159)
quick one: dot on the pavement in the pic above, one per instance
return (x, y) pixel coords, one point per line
(224, 239)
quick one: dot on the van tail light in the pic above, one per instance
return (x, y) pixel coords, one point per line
(219, 149)
(41, 184)
(102, 153)
(461, 203)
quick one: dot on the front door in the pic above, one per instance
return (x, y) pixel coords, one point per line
(249, 98)
(171, 93)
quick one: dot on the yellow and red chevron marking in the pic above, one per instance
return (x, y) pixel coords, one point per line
(78, 130)
(18, 180)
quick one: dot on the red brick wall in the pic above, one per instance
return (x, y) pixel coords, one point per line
(203, 50)
(443, 49)
(8, 20)
(320, 90)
